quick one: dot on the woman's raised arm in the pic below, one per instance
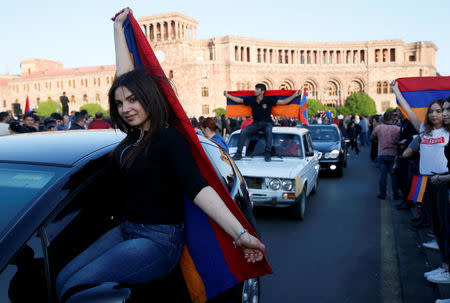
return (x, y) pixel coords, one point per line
(123, 58)
(412, 116)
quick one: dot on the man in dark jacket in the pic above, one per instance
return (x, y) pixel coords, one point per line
(78, 122)
(65, 103)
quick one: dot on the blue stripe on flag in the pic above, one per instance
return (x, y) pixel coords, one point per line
(425, 97)
(207, 249)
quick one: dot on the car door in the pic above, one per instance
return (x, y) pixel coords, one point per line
(310, 162)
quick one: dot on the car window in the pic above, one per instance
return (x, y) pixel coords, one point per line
(221, 163)
(24, 279)
(283, 145)
(305, 144)
(324, 133)
(19, 184)
(310, 142)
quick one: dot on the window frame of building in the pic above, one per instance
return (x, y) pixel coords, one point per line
(308, 57)
(205, 109)
(392, 54)
(377, 55)
(385, 87)
(385, 54)
(205, 91)
(302, 57)
(379, 87)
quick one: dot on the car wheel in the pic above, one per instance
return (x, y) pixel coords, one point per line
(316, 186)
(251, 291)
(299, 207)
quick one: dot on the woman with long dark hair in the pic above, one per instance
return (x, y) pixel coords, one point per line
(434, 137)
(156, 169)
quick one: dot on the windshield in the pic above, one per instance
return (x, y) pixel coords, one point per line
(324, 133)
(283, 145)
(19, 184)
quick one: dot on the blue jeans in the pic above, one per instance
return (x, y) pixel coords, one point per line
(252, 129)
(129, 253)
(386, 166)
(364, 138)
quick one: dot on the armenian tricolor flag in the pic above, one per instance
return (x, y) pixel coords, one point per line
(303, 111)
(418, 187)
(419, 92)
(27, 106)
(240, 110)
(210, 262)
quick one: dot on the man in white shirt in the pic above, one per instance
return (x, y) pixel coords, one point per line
(4, 124)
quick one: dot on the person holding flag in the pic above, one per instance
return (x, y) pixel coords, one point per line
(262, 121)
(157, 172)
(434, 137)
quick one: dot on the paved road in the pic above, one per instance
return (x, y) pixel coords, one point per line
(339, 253)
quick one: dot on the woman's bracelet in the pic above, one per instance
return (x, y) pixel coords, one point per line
(240, 235)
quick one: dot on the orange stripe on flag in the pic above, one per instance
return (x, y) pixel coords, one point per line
(193, 280)
(290, 110)
(238, 111)
(423, 185)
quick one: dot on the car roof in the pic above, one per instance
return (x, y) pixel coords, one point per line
(284, 130)
(56, 148)
(320, 125)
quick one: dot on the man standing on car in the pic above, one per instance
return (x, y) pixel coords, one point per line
(65, 103)
(261, 110)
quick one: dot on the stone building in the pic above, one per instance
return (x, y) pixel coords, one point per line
(202, 69)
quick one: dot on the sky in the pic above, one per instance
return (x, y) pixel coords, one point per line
(80, 32)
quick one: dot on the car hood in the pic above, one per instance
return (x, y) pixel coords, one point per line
(279, 167)
(326, 146)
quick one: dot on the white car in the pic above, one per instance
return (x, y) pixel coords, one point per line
(289, 178)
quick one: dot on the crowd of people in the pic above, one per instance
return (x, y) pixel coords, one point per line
(31, 122)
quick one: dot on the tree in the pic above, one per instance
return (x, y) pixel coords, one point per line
(92, 108)
(343, 111)
(314, 106)
(361, 104)
(46, 108)
(219, 111)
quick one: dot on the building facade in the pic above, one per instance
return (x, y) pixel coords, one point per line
(202, 69)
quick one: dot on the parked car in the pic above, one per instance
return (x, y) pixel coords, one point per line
(328, 139)
(57, 197)
(289, 178)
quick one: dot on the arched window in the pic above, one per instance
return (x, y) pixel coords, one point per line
(355, 87)
(310, 89)
(331, 90)
(72, 98)
(379, 87)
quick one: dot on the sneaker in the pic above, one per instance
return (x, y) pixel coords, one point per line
(267, 157)
(433, 272)
(237, 156)
(431, 245)
(442, 277)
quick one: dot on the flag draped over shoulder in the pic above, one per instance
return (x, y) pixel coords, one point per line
(210, 263)
(419, 92)
(418, 187)
(240, 110)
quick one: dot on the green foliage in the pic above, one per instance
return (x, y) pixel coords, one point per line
(343, 111)
(361, 104)
(219, 111)
(46, 108)
(92, 108)
(390, 109)
(314, 106)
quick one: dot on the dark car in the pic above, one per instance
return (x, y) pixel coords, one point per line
(329, 140)
(57, 197)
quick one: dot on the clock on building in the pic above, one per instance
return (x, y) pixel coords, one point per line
(160, 55)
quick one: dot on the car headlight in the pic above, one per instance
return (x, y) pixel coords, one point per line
(332, 154)
(287, 185)
(274, 184)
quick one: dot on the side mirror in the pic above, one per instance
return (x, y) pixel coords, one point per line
(309, 154)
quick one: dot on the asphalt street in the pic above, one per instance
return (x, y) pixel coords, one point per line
(346, 249)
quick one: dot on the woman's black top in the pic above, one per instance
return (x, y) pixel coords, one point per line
(152, 189)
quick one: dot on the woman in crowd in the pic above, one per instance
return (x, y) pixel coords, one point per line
(208, 128)
(156, 169)
(434, 137)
